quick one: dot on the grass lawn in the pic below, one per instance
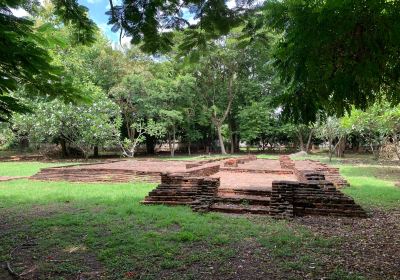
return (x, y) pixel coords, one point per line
(63, 230)
(369, 189)
(24, 168)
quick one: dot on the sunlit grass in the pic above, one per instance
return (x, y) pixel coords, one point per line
(127, 236)
(24, 168)
(368, 190)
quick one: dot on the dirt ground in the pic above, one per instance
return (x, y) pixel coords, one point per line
(369, 247)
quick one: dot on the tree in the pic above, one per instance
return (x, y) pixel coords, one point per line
(330, 130)
(216, 76)
(375, 125)
(304, 132)
(83, 127)
(151, 23)
(129, 146)
(6, 136)
(257, 124)
(24, 56)
(334, 54)
(391, 117)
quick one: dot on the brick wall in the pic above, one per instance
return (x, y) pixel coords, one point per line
(182, 189)
(204, 171)
(312, 197)
(95, 175)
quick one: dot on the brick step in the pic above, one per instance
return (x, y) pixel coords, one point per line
(85, 176)
(171, 203)
(172, 192)
(243, 200)
(169, 198)
(95, 178)
(239, 209)
(251, 192)
(269, 171)
(176, 186)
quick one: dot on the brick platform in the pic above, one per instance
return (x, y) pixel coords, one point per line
(281, 188)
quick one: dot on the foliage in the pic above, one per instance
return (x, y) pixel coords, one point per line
(334, 54)
(330, 130)
(25, 59)
(84, 126)
(370, 124)
(141, 129)
(152, 23)
(260, 124)
(6, 136)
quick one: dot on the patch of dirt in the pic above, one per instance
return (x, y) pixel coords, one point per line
(11, 222)
(368, 246)
(29, 262)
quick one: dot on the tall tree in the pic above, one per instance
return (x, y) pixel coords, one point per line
(335, 54)
(216, 75)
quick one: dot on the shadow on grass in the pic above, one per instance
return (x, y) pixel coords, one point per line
(108, 221)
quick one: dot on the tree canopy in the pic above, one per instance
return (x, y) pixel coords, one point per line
(25, 59)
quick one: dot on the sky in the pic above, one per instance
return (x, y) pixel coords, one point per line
(97, 10)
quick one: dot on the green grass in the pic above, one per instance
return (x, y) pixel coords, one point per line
(266, 156)
(368, 190)
(76, 221)
(371, 185)
(324, 157)
(126, 236)
(24, 168)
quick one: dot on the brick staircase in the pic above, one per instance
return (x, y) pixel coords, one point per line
(240, 201)
(184, 189)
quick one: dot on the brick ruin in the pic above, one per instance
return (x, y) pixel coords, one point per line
(281, 188)
(313, 192)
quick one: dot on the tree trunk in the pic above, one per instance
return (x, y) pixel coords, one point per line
(301, 142)
(221, 140)
(375, 152)
(96, 151)
(396, 146)
(307, 149)
(330, 149)
(150, 144)
(172, 147)
(341, 147)
(189, 151)
(234, 136)
(64, 150)
(232, 144)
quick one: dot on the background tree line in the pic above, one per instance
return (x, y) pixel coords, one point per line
(271, 74)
